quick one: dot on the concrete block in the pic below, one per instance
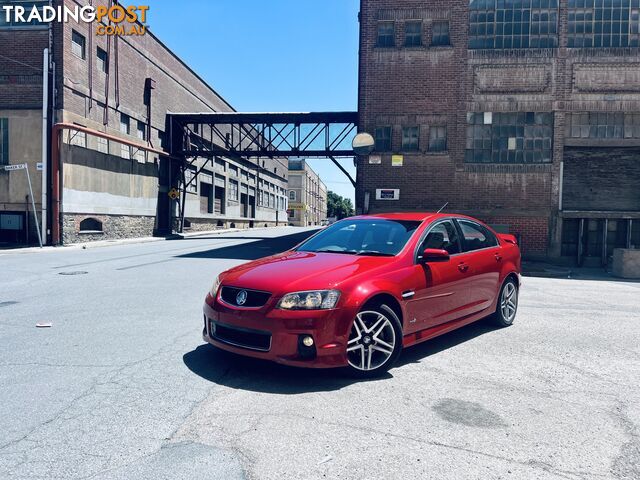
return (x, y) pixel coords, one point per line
(626, 263)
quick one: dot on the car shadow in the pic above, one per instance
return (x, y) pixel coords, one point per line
(254, 249)
(246, 373)
(444, 342)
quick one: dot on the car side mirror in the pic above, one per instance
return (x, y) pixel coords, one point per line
(433, 255)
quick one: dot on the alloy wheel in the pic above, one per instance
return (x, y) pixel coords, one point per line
(509, 302)
(372, 341)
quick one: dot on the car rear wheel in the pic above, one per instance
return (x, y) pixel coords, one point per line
(507, 304)
(375, 341)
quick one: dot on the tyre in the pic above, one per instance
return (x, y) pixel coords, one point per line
(507, 306)
(375, 341)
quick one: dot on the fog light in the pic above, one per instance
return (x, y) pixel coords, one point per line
(307, 341)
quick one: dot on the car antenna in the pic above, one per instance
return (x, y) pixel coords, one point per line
(443, 207)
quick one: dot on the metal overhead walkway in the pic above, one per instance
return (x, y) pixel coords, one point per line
(246, 136)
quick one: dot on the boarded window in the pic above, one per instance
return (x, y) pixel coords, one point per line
(604, 125)
(90, 225)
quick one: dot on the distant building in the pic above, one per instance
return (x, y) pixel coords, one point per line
(307, 195)
(123, 87)
(524, 114)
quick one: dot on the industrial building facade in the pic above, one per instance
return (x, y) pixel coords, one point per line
(523, 113)
(122, 87)
(307, 195)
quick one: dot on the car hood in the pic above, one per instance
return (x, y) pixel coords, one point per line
(299, 271)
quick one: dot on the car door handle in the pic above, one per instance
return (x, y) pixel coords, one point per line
(463, 267)
(498, 257)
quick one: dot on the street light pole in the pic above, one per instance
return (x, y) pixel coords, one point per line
(33, 205)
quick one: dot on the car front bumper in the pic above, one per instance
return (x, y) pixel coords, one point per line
(271, 334)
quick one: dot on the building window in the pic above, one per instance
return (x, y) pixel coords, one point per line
(509, 137)
(438, 139)
(292, 196)
(513, 23)
(191, 180)
(233, 190)
(383, 139)
(413, 34)
(103, 144)
(141, 133)
(78, 44)
(125, 127)
(233, 170)
(90, 225)
(604, 125)
(386, 34)
(440, 34)
(28, 6)
(4, 141)
(103, 60)
(411, 139)
(603, 23)
(78, 138)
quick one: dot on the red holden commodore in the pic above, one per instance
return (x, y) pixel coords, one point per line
(358, 292)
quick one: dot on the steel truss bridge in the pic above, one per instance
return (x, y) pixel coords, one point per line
(246, 136)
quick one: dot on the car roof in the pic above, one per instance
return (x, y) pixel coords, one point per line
(407, 216)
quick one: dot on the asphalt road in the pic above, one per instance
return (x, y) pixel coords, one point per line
(122, 387)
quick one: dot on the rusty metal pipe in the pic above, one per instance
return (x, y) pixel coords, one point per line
(56, 190)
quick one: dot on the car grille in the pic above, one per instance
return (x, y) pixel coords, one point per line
(255, 298)
(241, 337)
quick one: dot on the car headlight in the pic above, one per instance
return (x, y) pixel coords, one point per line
(313, 300)
(215, 287)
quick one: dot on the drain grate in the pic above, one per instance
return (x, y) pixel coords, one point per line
(79, 272)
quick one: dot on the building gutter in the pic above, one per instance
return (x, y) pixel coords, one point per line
(56, 169)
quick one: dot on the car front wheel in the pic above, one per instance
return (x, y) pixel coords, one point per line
(375, 341)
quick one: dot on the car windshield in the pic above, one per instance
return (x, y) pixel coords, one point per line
(375, 237)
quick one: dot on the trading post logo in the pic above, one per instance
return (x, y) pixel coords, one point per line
(112, 20)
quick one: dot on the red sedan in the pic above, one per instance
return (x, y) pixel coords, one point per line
(359, 291)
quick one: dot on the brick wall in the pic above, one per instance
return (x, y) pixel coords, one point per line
(428, 86)
(21, 67)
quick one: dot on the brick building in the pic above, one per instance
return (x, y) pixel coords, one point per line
(523, 113)
(124, 87)
(307, 195)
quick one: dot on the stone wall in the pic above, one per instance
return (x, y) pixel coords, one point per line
(114, 227)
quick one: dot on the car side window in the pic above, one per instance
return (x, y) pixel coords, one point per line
(476, 237)
(443, 236)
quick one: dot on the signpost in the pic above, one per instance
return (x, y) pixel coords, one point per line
(23, 166)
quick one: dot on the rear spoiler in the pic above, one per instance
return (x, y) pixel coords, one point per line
(508, 238)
